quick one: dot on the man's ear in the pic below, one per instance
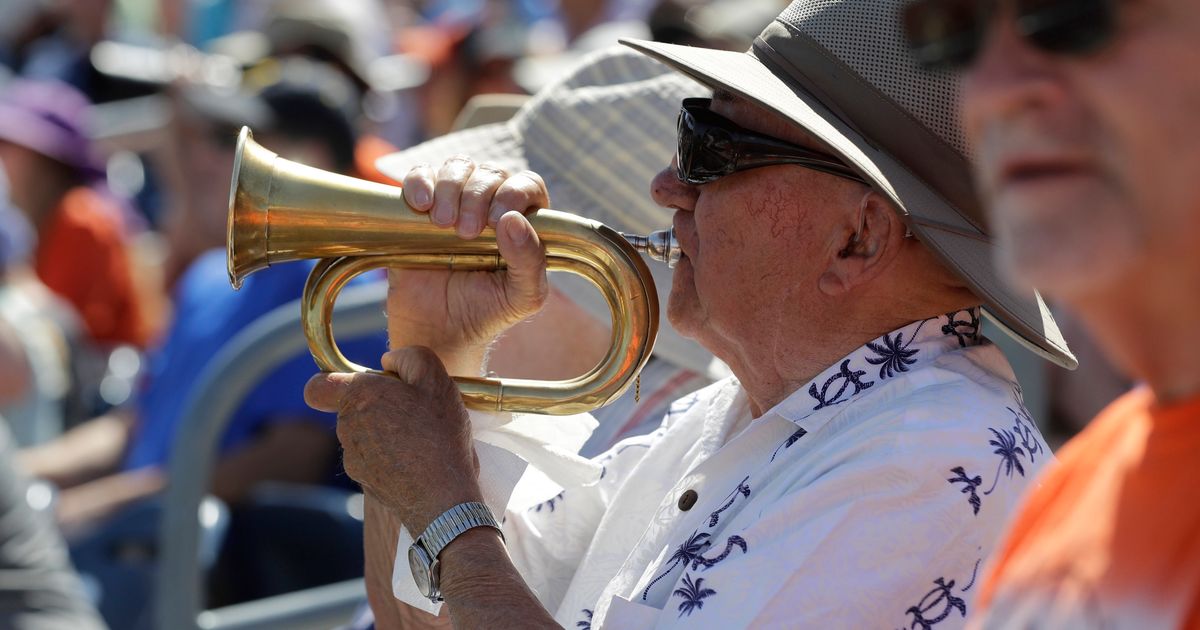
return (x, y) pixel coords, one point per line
(871, 236)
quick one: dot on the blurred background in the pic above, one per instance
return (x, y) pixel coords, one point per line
(118, 122)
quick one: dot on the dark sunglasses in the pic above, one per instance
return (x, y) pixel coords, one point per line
(712, 146)
(948, 34)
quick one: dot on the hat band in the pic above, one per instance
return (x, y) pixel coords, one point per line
(880, 121)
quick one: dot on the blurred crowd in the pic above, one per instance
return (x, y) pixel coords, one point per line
(118, 124)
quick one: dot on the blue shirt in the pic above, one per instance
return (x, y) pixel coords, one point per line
(208, 314)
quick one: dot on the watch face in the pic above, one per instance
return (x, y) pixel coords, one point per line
(419, 566)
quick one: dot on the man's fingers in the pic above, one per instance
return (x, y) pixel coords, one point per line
(414, 364)
(521, 249)
(324, 391)
(524, 192)
(477, 198)
(418, 188)
(447, 192)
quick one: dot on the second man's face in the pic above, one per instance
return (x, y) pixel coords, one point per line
(1088, 163)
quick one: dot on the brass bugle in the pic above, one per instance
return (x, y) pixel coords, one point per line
(281, 211)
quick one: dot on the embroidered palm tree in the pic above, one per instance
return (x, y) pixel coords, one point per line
(549, 503)
(730, 543)
(974, 574)
(963, 329)
(792, 439)
(942, 595)
(682, 405)
(847, 377)
(693, 594)
(685, 554)
(742, 488)
(891, 355)
(1010, 456)
(971, 484)
(1023, 426)
(585, 624)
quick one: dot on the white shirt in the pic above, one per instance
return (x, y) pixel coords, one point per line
(867, 499)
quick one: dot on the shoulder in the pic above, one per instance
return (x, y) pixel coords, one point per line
(952, 431)
(948, 400)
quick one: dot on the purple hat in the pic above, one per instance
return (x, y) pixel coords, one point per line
(50, 118)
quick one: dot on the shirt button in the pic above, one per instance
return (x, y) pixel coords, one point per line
(687, 500)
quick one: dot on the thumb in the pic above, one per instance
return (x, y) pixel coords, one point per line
(519, 245)
(324, 391)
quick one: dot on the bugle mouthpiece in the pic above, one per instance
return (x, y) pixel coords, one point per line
(659, 245)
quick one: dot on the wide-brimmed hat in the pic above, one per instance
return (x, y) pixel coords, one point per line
(597, 137)
(50, 118)
(841, 71)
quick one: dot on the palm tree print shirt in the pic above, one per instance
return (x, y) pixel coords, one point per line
(867, 499)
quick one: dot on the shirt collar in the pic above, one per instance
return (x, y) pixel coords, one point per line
(883, 359)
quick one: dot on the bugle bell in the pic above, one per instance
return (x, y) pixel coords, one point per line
(283, 211)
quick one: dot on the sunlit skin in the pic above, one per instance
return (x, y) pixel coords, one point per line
(1088, 165)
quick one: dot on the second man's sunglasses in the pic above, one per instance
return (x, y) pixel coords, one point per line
(948, 34)
(712, 146)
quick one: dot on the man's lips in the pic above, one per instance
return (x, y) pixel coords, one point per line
(683, 236)
(1024, 170)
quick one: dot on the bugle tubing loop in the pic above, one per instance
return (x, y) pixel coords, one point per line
(282, 211)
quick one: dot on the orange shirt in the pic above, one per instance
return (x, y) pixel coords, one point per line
(1111, 539)
(82, 257)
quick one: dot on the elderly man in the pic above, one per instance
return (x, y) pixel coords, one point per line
(856, 469)
(1083, 117)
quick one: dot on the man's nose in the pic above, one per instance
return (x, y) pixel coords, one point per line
(667, 191)
(1009, 78)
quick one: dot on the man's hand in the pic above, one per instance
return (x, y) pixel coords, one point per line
(457, 314)
(407, 439)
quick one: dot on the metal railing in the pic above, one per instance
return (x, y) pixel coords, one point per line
(233, 373)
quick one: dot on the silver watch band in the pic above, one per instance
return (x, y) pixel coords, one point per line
(455, 521)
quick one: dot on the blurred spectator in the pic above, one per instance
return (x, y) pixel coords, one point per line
(40, 590)
(352, 36)
(727, 24)
(118, 459)
(302, 109)
(35, 328)
(52, 172)
(43, 40)
(466, 59)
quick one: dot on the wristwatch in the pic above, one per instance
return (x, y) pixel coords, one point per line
(423, 554)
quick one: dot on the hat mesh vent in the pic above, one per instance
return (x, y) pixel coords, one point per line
(866, 35)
